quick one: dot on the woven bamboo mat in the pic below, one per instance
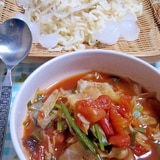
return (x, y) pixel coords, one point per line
(147, 46)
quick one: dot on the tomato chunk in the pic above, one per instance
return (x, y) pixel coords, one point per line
(102, 102)
(126, 100)
(125, 106)
(138, 149)
(120, 140)
(118, 122)
(91, 114)
(106, 126)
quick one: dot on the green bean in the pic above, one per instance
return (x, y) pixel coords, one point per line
(99, 136)
(133, 136)
(85, 140)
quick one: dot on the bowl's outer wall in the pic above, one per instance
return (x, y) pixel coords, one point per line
(75, 63)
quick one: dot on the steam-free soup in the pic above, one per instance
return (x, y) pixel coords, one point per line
(93, 116)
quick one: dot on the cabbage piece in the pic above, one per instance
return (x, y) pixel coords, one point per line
(47, 108)
(50, 103)
(85, 123)
(77, 152)
(147, 120)
(155, 133)
(96, 89)
(45, 121)
(141, 139)
(92, 90)
(118, 153)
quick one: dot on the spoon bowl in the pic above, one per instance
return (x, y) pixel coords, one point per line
(15, 43)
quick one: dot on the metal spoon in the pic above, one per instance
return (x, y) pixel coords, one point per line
(15, 44)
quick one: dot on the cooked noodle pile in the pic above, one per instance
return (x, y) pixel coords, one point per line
(70, 24)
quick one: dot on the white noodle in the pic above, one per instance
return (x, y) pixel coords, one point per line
(78, 21)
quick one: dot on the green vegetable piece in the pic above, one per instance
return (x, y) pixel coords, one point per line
(39, 98)
(138, 110)
(25, 123)
(116, 79)
(29, 104)
(85, 140)
(49, 125)
(37, 134)
(99, 136)
(57, 106)
(59, 126)
(143, 130)
(133, 137)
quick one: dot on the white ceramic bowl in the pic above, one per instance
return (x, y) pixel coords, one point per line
(73, 63)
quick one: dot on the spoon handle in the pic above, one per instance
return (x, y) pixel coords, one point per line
(5, 99)
(4, 111)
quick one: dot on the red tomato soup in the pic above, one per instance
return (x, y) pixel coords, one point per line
(93, 116)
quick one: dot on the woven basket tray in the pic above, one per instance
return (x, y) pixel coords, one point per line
(156, 8)
(146, 47)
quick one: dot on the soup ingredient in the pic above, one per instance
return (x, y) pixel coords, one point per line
(80, 134)
(77, 23)
(95, 116)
